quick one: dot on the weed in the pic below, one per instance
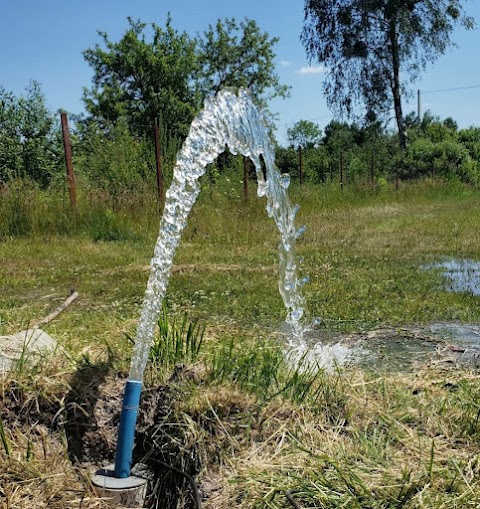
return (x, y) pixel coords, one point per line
(177, 341)
(4, 439)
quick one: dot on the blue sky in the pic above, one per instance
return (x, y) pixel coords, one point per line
(44, 40)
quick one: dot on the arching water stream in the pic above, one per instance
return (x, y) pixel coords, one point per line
(227, 120)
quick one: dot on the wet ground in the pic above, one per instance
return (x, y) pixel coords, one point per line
(461, 275)
(402, 349)
(406, 348)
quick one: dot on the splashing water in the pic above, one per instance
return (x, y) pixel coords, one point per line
(227, 120)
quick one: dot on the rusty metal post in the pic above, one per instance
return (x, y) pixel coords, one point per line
(372, 171)
(245, 179)
(341, 171)
(68, 160)
(158, 159)
(300, 163)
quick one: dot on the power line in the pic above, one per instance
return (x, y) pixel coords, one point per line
(449, 89)
(469, 87)
(307, 119)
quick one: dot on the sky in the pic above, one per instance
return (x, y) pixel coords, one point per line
(44, 40)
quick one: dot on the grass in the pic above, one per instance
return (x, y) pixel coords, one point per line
(363, 253)
(268, 434)
(177, 342)
(396, 449)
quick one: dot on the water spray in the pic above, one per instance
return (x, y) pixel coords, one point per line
(232, 120)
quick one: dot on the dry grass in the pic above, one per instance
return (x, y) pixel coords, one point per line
(404, 444)
(369, 440)
(39, 474)
(35, 468)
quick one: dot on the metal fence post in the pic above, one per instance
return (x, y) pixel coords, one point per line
(158, 159)
(245, 178)
(68, 160)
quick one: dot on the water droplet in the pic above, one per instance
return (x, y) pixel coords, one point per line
(300, 231)
(288, 286)
(297, 314)
(300, 260)
(261, 189)
(285, 180)
(293, 213)
(316, 321)
(305, 280)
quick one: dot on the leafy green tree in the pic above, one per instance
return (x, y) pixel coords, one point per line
(233, 54)
(154, 72)
(29, 142)
(304, 134)
(141, 78)
(39, 134)
(430, 127)
(446, 159)
(470, 138)
(118, 162)
(368, 45)
(10, 145)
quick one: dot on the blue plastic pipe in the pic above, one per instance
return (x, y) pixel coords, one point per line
(126, 431)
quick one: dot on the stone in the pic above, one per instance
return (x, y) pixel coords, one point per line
(30, 344)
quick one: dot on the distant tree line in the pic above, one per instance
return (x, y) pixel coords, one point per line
(157, 75)
(435, 148)
(118, 159)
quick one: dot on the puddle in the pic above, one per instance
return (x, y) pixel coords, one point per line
(394, 351)
(462, 342)
(460, 275)
(387, 349)
(400, 350)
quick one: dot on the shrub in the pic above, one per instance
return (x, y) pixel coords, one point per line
(445, 159)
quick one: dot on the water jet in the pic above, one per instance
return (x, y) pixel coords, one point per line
(230, 120)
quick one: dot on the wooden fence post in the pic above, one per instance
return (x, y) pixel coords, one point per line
(68, 160)
(372, 171)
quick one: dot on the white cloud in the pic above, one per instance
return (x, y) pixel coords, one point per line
(285, 63)
(313, 69)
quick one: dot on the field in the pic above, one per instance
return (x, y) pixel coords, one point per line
(262, 434)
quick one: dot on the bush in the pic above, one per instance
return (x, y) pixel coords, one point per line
(445, 159)
(115, 162)
(470, 139)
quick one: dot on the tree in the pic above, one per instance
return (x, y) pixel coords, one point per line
(239, 55)
(10, 145)
(141, 79)
(167, 74)
(28, 145)
(304, 134)
(366, 44)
